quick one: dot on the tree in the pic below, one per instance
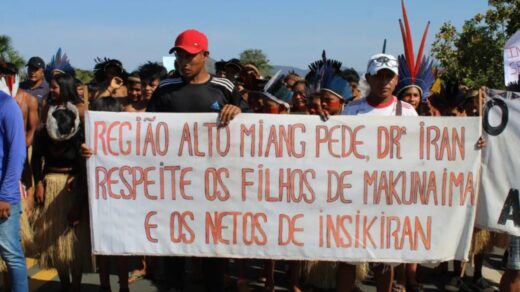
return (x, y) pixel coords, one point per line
(474, 56)
(8, 53)
(84, 75)
(257, 58)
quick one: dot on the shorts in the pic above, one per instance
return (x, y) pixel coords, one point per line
(513, 260)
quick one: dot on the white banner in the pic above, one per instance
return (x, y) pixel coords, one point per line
(498, 207)
(512, 59)
(384, 189)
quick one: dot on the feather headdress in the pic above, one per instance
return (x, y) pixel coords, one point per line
(59, 64)
(102, 64)
(10, 81)
(325, 74)
(276, 90)
(414, 72)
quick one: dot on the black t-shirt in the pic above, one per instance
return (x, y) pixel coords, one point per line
(174, 95)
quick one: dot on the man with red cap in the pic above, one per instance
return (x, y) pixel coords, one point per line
(196, 91)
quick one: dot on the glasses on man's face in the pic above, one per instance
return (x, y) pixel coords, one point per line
(381, 61)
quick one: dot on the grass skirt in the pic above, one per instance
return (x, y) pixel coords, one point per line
(60, 246)
(482, 241)
(323, 274)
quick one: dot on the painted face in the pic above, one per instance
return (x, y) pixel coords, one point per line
(35, 74)
(383, 83)
(271, 107)
(134, 90)
(412, 95)
(149, 86)
(190, 65)
(331, 103)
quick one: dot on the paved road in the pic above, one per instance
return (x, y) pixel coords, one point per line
(47, 280)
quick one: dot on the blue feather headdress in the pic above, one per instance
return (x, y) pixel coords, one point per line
(59, 64)
(413, 72)
(422, 81)
(326, 74)
(276, 90)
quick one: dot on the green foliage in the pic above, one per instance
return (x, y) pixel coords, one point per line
(84, 75)
(257, 58)
(474, 56)
(8, 53)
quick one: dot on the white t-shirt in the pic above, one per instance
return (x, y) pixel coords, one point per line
(362, 107)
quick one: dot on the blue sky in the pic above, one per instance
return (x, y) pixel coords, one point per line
(290, 32)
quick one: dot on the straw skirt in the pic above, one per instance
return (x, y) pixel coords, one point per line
(61, 246)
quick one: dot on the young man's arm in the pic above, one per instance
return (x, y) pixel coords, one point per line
(33, 119)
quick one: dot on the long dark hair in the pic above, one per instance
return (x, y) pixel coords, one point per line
(67, 86)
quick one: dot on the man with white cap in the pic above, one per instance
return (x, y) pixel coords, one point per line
(382, 76)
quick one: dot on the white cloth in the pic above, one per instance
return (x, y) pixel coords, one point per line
(362, 107)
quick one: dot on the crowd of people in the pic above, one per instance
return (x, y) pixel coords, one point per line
(43, 192)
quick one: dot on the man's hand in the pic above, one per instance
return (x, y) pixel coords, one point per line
(481, 143)
(228, 113)
(85, 151)
(39, 193)
(116, 82)
(5, 210)
(71, 181)
(316, 104)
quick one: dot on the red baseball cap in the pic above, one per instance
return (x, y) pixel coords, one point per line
(192, 41)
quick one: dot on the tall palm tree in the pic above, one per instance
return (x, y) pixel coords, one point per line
(8, 53)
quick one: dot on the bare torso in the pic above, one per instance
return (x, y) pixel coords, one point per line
(29, 106)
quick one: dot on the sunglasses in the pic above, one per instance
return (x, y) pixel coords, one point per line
(382, 61)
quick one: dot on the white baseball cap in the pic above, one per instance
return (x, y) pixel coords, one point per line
(382, 61)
